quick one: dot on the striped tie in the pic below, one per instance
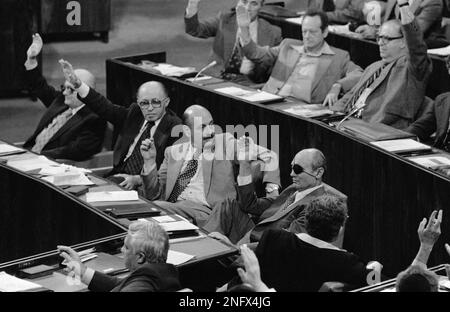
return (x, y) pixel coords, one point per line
(44, 137)
(133, 164)
(354, 99)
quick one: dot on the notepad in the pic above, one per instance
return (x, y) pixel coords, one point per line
(177, 258)
(9, 283)
(93, 197)
(401, 146)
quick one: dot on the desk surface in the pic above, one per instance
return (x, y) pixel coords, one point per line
(388, 195)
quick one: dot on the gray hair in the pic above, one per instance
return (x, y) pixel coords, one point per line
(151, 239)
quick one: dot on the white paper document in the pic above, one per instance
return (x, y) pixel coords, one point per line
(9, 283)
(173, 71)
(62, 169)
(177, 258)
(6, 149)
(178, 226)
(162, 219)
(68, 179)
(34, 163)
(92, 197)
(402, 145)
(432, 161)
(249, 95)
(309, 110)
(440, 51)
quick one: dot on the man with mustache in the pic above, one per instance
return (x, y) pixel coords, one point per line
(198, 174)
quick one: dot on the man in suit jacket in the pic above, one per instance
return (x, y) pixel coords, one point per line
(198, 174)
(149, 118)
(223, 28)
(68, 129)
(311, 71)
(392, 90)
(283, 212)
(428, 16)
(145, 251)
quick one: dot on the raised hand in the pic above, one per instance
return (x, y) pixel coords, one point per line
(72, 260)
(36, 47)
(430, 232)
(242, 15)
(251, 275)
(246, 149)
(148, 150)
(69, 74)
(192, 8)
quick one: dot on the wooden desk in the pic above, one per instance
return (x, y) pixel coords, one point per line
(365, 52)
(387, 194)
(36, 216)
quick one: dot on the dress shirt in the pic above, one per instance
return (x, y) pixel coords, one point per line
(195, 190)
(299, 83)
(299, 195)
(316, 242)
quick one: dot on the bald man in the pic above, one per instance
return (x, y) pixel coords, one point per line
(392, 90)
(149, 118)
(68, 129)
(244, 220)
(198, 174)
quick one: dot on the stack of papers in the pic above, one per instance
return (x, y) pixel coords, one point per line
(6, 149)
(250, 95)
(402, 146)
(173, 71)
(432, 162)
(440, 51)
(93, 197)
(177, 258)
(9, 283)
(309, 110)
(68, 179)
(33, 163)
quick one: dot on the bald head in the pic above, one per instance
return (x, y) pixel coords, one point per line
(86, 76)
(311, 157)
(394, 26)
(200, 123)
(308, 167)
(154, 87)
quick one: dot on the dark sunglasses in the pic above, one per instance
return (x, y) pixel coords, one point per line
(299, 169)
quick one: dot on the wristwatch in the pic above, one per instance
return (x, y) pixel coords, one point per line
(270, 187)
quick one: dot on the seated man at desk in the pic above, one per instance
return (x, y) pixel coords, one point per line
(145, 252)
(428, 16)
(309, 70)
(233, 218)
(223, 28)
(68, 129)
(197, 175)
(435, 120)
(392, 90)
(149, 118)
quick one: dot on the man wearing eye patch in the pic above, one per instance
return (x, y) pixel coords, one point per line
(233, 223)
(149, 118)
(68, 129)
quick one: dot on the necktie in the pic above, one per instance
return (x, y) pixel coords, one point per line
(235, 61)
(57, 123)
(184, 178)
(363, 87)
(133, 165)
(289, 201)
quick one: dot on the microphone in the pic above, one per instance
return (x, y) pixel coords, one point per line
(213, 63)
(356, 109)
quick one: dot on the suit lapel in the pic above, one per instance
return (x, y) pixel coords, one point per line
(174, 166)
(70, 124)
(50, 115)
(322, 69)
(291, 60)
(382, 76)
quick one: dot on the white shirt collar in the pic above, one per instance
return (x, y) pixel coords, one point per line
(324, 50)
(77, 109)
(316, 242)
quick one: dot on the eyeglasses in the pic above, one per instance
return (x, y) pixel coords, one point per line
(64, 88)
(299, 169)
(386, 39)
(156, 103)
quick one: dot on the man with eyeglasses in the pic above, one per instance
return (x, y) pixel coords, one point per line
(309, 70)
(244, 220)
(435, 120)
(68, 129)
(198, 173)
(226, 51)
(392, 90)
(150, 117)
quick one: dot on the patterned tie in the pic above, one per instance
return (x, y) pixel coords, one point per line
(185, 177)
(57, 123)
(235, 62)
(289, 201)
(133, 164)
(366, 84)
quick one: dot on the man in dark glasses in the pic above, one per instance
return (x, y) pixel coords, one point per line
(244, 220)
(149, 118)
(68, 129)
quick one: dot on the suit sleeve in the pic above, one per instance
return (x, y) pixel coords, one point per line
(155, 181)
(351, 74)
(426, 124)
(87, 143)
(249, 202)
(205, 29)
(430, 14)
(103, 283)
(103, 107)
(419, 62)
(263, 56)
(38, 85)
